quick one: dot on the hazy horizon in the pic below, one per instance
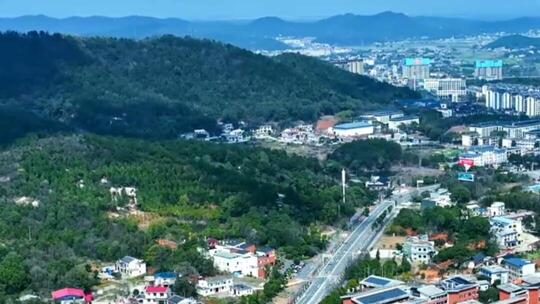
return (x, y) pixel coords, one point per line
(246, 9)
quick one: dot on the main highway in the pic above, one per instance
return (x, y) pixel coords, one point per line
(359, 240)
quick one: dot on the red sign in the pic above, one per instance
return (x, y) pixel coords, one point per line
(466, 162)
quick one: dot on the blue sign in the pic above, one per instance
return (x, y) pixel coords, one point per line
(465, 177)
(417, 61)
(489, 63)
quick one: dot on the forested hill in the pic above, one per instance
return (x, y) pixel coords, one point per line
(514, 42)
(165, 86)
(187, 190)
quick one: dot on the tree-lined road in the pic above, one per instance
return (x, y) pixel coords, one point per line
(361, 239)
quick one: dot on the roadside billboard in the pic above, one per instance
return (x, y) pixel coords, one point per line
(465, 177)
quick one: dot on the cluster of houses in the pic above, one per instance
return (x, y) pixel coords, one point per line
(234, 259)
(514, 277)
(237, 259)
(328, 128)
(156, 288)
(376, 289)
(506, 228)
(489, 143)
(240, 258)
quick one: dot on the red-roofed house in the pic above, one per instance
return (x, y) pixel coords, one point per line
(325, 123)
(71, 296)
(156, 294)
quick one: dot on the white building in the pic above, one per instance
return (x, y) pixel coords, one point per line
(353, 66)
(264, 130)
(507, 101)
(240, 290)
(469, 139)
(382, 116)
(493, 100)
(518, 268)
(496, 209)
(156, 294)
(485, 129)
(416, 68)
(447, 88)
(532, 106)
(519, 103)
(245, 264)
(215, 285)
(395, 123)
(508, 232)
(418, 249)
(518, 129)
(485, 156)
(130, 267)
(164, 279)
(353, 129)
(488, 69)
(432, 294)
(494, 273)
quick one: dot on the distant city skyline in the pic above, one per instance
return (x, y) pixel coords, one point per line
(250, 9)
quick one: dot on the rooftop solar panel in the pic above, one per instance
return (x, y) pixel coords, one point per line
(377, 281)
(460, 280)
(383, 297)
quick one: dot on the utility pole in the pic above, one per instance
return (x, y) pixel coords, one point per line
(343, 185)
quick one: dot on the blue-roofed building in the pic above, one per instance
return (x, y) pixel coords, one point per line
(374, 281)
(165, 278)
(518, 267)
(494, 273)
(419, 103)
(460, 289)
(352, 129)
(382, 116)
(386, 295)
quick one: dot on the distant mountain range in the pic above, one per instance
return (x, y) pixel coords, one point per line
(515, 42)
(345, 29)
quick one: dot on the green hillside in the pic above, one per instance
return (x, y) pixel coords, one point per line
(188, 191)
(165, 86)
(514, 42)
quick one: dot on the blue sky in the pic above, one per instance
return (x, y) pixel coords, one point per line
(291, 9)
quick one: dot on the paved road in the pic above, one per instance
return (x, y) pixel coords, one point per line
(361, 239)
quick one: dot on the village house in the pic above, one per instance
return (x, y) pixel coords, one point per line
(518, 268)
(433, 294)
(156, 294)
(71, 296)
(176, 299)
(215, 285)
(242, 259)
(130, 267)
(494, 273)
(460, 289)
(508, 232)
(240, 290)
(418, 249)
(166, 279)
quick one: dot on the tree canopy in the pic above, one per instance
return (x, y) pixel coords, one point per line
(165, 86)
